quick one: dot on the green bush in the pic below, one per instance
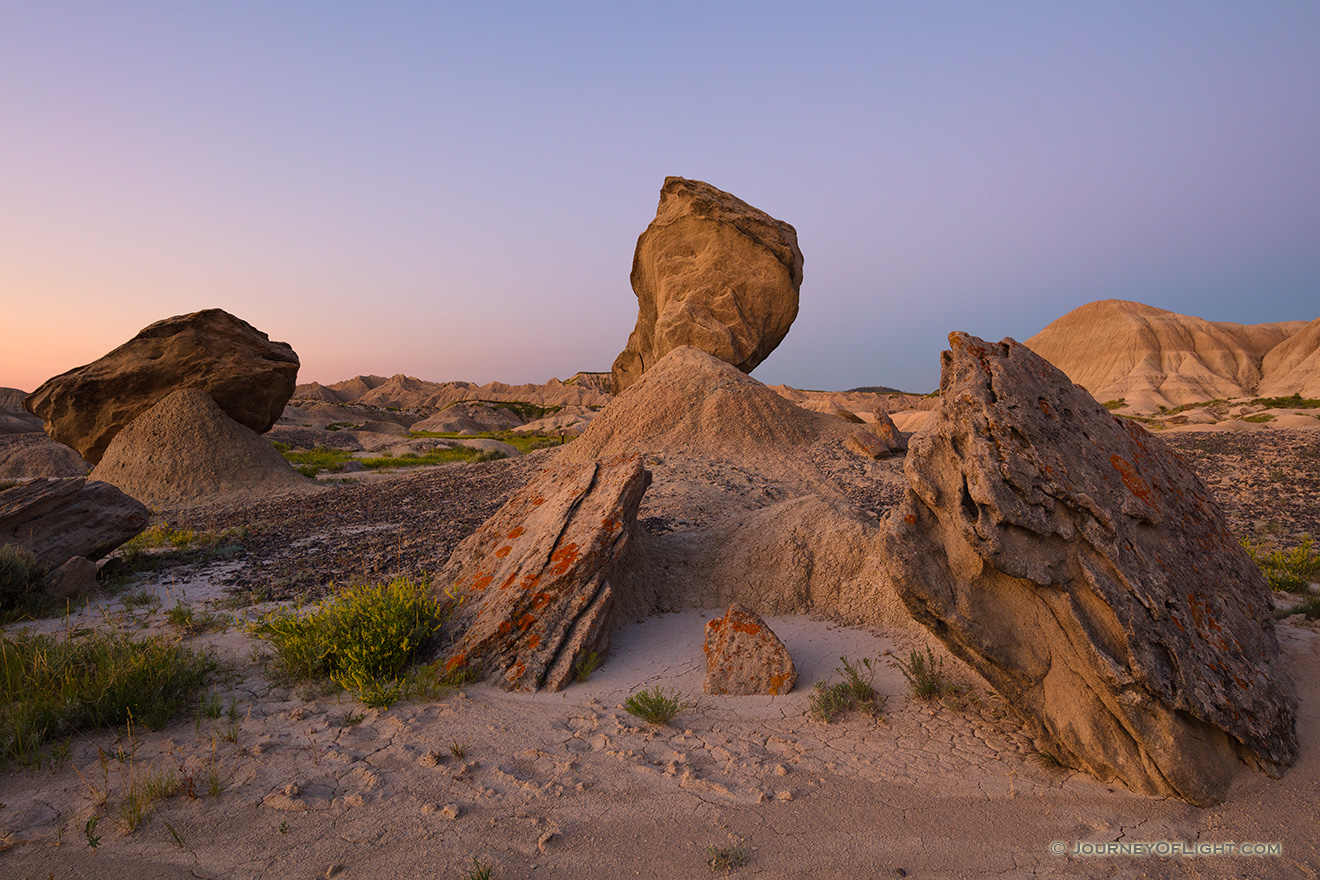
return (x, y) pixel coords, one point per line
(925, 675)
(1291, 570)
(51, 687)
(654, 706)
(363, 639)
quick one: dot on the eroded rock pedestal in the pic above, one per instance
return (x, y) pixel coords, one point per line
(1075, 562)
(712, 272)
(533, 582)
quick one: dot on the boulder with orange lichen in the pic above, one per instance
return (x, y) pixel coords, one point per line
(533, 583)
(744, 657)
(1084, 569)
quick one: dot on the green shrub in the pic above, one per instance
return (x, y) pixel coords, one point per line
(654, 706)
(51, 687)
(1310, 606)
(1291, 570)
(925, 675)
(828, 701)
(363, 639)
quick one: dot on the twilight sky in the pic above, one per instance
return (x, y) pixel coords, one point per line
(454, 191)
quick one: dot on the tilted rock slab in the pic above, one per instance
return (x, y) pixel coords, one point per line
(248, 376)
(533, 582)
(1084, 570)
(712, 272)
(745, 657)
(56, 520)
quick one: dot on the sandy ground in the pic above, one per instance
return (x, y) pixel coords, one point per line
(569, 785)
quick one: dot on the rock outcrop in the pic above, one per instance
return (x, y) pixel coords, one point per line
(1084, 570)
(185, 450)
(712, 272)
(744, 657)
(249, 377)
(28, 455)
(55, 520)
(1293, 366)
(533, 583)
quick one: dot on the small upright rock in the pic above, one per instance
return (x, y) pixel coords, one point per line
(712, 272)
(1080, 566)
(55, 520)
(248, 376)
(744, 657)
(533, 582)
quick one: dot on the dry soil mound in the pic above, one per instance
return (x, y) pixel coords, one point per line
(1151, 357)
(185, 451)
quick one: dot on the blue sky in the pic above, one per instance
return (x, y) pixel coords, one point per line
(455, 191)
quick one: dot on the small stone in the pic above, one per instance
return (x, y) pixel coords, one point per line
(292, 789)
(784, 795)
(332, 871)
(543, 840)
(743, 656)
(430, 759)
(450, 811)
(780, 770)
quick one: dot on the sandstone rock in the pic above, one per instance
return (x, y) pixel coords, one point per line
(713, 272)
(883, 426)
(533, 583)
(744, 657)
(78, 575)
(866, 444)
(185, 450)
(23, 456)
(249, 377)
(1085, 571)
(59, 519)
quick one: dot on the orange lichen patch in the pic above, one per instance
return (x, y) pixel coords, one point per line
(455, 662)
(526, 621)
(503, 551)
(563, 558)
(530, 581)
(776, 684)
(610, 524)
(910, 519)
(1131, 479)
(536, 502)
(516, 532)
(716, 624)
(750, 629)
(534, 640)
(541, 600)
(508, 582)
(1044, 406)
(481, 582)
(504, 628)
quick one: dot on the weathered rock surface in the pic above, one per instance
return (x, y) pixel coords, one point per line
(56, 520)
(712, 272)
(78, 575)
(250, 378)
(1085, 571)
(533, 582)
(883, 427)
(744, 657)
(185, 450)
(27, 455)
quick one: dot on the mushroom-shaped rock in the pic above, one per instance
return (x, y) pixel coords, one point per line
(532, 584)
(744, 657)
(712, 272)
(248, 376)
(1080, 566)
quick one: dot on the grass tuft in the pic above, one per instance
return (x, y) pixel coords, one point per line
(363, 639)
(828, 701)
(925, 675)
(22, 583)
(654, 706)
(725, 858)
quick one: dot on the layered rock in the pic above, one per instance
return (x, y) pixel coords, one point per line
(1293, 366)
(1085, 571)
(744, 657)
(712, 272)
(533, 583)
(185, 450)
(55, 520)
(249, 377)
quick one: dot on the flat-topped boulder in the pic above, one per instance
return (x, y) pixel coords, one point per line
(712, 272)
(250, 378)
(1086, 572)
(533, 582)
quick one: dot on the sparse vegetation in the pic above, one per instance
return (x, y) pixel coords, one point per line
(1259, 418)
(725, 858)
(164, 546)
(309, 463)
(1296, 401)
(22, 581)
(654, 706)
(363, 639)
(585, 664)
(1112, 405)
(1309, 607)
(187, 621)
(52, 687)
(1291, 570)
(855, 692)
(925, 675)
(523, 442)
(479, 870)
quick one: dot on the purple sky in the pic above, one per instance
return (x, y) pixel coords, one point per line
(454, 191)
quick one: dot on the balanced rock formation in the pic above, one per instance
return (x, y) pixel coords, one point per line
(185, 450)
(744, 657)
(55, 520)
(533, 583)
(1084, 570)
(1151, 357)
(250, 377)
(713, 272)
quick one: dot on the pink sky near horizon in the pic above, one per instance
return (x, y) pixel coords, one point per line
(455, 193)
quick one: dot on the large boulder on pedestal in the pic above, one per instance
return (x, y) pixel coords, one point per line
(533, 583)
(712, 272)
(1084, 570)
(250, 377)
(55, 520)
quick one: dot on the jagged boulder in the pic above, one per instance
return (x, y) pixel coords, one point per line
(712, 272)
(745, 657)
(248, 376)
(55, 520)
(1081, 567)
(533, 583)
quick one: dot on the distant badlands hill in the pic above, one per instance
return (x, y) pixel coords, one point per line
(1150, 357)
